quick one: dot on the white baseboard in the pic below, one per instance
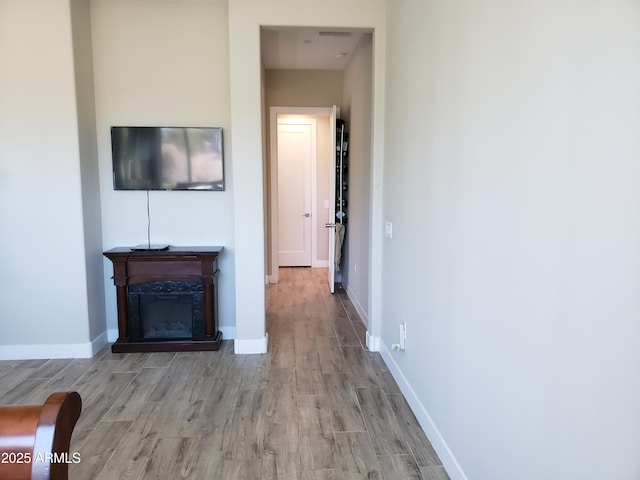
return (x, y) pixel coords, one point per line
(447, 458)
(251, 346)
(320, 264)
(60, 350)
(99, 342)
(373, 343)
(356, 304)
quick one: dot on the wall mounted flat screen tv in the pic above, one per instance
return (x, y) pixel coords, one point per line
(167, 158)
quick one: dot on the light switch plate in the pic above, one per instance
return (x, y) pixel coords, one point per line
(388, 229)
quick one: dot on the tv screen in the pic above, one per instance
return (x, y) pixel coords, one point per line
(167, 158)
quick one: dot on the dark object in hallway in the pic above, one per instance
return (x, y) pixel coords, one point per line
(34, 440)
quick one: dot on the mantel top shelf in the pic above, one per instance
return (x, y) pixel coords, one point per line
(173, 250)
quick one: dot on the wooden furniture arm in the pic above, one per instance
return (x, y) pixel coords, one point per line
(35, 440)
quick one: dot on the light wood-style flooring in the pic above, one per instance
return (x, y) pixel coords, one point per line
(317, 406)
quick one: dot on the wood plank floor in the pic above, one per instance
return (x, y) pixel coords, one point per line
(317, 406)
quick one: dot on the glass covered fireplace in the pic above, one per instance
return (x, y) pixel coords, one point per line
(166, 310)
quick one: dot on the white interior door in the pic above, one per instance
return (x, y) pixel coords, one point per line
(331, 226)
(294, 152)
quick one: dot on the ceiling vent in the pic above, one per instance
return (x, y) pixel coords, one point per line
(335, 34)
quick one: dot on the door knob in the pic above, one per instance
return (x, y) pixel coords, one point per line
(306, 215)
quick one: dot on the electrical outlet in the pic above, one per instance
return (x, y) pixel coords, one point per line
(397, 347)
(403, 335)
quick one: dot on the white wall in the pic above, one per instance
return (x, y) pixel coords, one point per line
(511, 178)
(323, 171)
(164, 63)
(43, 275)
(357, 98)
(90, 179)
(304, 88)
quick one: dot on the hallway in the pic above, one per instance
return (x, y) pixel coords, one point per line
(353, 420)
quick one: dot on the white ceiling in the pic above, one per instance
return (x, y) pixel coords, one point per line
(290, 48)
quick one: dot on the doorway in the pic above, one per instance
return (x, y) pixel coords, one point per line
(300, 190)
(252, 92)
(352, 89)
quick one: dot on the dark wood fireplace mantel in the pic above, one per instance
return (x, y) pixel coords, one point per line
(177, 264)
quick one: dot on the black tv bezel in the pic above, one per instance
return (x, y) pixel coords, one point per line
(195, 186)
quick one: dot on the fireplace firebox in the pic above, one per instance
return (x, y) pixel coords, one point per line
(166, 311)
(167, 300)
